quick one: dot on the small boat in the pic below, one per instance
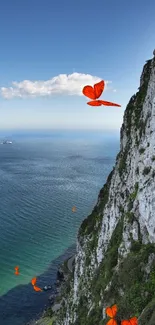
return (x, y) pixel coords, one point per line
(7, 142)
(47, 288)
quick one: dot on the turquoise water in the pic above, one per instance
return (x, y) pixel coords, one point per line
(42, 178)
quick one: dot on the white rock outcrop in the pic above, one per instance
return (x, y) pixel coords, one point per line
(134, 182)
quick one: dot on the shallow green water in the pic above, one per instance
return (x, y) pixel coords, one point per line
(41, 179)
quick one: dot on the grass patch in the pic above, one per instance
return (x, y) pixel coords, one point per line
(128, 115)
(131, 279)
(148, 316)
(105, 270)
(140, 97)
(134, 193)
(132, 197)
(130, 217)
(121, 209)
(94, 220)
(123, 159)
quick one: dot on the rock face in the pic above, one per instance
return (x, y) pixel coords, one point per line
(115, 258)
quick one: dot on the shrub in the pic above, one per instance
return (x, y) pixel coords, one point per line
(121, 209)
(135, 246)
(134, 193)
(141, 150)
(146, 170)
(122, 164)
(130, 217)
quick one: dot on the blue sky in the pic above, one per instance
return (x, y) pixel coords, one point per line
(41, 40)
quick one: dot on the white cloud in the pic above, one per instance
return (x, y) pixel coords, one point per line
(62, 84)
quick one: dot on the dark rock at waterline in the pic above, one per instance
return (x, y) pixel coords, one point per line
(51, 299)
(58, 283)
(60, 275)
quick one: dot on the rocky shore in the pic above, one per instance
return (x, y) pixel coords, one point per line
(55, 298)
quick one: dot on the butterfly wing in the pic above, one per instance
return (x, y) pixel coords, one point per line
(98, 88)
(95, 103)
(16, 270)
(111, 311)
(109, 103)
(133, 321)
(33, 281)
(125, 322)
(114, 310)
(37, 288)
(89, 92)
(112, 322)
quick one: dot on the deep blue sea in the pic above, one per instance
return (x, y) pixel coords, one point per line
(42, 176)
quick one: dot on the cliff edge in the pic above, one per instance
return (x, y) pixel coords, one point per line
(115, 255)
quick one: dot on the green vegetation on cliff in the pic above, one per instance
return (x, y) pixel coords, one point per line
(126, 274)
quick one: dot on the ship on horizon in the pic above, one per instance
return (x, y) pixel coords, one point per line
(6, 142)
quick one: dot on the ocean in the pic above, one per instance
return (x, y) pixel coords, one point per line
(42, 176)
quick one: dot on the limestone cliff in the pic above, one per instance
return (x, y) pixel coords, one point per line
(115, 259)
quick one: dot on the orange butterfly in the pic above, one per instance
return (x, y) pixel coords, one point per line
(16, 270)
(111, 312)
(33, 282)
(131, 321)
(95, 92)
(37, 288)
(102, 102)
(112, 322)
(73, 209)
